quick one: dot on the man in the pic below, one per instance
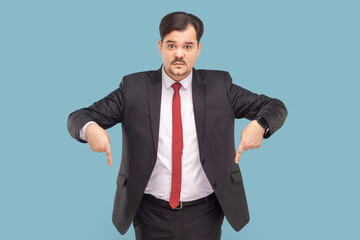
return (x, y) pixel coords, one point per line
(179, 173)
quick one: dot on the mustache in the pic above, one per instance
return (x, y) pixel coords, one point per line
(178, 60)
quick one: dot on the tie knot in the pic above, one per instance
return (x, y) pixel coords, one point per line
(176, 86)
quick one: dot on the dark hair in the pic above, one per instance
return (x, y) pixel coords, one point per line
(179, 21)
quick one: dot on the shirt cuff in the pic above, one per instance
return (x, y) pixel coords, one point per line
(82, 130)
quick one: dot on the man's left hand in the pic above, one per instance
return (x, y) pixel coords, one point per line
(251, 137)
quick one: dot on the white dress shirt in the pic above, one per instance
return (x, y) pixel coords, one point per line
(194, 183)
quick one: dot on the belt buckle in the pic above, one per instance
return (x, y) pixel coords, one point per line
(179, 206)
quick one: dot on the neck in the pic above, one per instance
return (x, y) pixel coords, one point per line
(177, 78)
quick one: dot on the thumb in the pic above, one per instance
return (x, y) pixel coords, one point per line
(108, 154)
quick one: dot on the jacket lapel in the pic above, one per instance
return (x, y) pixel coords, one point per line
(198, 93)
(154, 105)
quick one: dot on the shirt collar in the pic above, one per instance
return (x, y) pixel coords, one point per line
(168, 81)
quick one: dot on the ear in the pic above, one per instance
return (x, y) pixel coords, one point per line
(160, 46)
(199, 49)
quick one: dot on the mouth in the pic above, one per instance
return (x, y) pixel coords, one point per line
(178, 63)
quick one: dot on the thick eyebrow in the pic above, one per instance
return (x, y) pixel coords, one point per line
(171, 41)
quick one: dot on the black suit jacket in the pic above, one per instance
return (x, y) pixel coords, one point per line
(217, 102)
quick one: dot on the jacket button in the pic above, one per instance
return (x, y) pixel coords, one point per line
(214, 185)
(203, 161)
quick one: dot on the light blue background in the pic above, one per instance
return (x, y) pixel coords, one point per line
(58, 56)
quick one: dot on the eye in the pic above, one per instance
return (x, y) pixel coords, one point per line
(187, 47)
(171, 46)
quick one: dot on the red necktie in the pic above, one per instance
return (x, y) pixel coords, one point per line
(177, 146)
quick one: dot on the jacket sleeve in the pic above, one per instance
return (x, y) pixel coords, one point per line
(106, 112)
(250, 105)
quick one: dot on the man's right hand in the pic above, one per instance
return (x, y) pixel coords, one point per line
(98, 140)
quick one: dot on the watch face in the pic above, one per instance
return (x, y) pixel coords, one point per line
(262, 122)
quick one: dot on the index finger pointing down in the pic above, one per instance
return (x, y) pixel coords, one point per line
(108, 154)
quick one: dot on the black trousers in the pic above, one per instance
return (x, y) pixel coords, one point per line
(199, 222)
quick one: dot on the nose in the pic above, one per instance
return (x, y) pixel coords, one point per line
(179, 53)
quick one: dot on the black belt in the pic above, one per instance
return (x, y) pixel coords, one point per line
(165, 204)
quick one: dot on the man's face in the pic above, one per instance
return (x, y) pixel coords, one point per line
(179, 51)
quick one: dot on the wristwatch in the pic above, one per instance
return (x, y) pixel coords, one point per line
(262, 122)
